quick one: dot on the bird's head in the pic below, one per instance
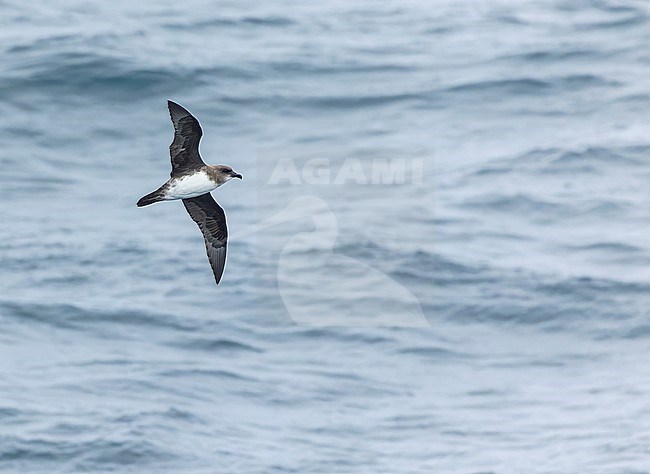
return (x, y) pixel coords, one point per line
(225, 173)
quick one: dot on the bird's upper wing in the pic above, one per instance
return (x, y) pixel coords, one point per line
(184, 150)
(212, 221)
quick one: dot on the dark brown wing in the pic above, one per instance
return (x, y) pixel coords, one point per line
(184, 150)
(212, 221)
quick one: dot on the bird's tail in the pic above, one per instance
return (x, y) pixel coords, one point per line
(156, 196)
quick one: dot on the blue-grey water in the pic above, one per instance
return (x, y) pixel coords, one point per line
(525, 243)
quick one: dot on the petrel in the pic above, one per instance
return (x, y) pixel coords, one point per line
(191, 181)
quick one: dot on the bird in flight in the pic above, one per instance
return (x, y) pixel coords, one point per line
(191, 181)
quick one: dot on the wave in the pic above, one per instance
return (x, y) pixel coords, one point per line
(554, 55)
(68, 316)
(608, 247)
(93, 75)
(102, 76)
(355, 101)
(215, 345)
(432, 352)
(638, 18)
(530, 86)
(207, 373)
(241, 22)
(618, 14)
(520, 203)
(464, 292)
(84, 454)
(549, 161)
(367, 336)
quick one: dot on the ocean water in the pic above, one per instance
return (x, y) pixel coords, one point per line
(490, 316)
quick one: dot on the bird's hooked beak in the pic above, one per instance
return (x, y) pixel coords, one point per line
(235, 175)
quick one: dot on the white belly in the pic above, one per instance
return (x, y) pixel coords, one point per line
(190, 186)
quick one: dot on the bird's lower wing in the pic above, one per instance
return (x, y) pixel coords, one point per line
(211, 219)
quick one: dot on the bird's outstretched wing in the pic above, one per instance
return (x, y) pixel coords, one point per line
(184, 150)
(212, 221)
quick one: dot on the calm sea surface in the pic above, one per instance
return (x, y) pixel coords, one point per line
(490, 317)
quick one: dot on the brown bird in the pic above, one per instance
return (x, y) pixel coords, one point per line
(192, 180)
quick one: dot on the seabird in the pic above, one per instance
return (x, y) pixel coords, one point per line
(191, 181)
